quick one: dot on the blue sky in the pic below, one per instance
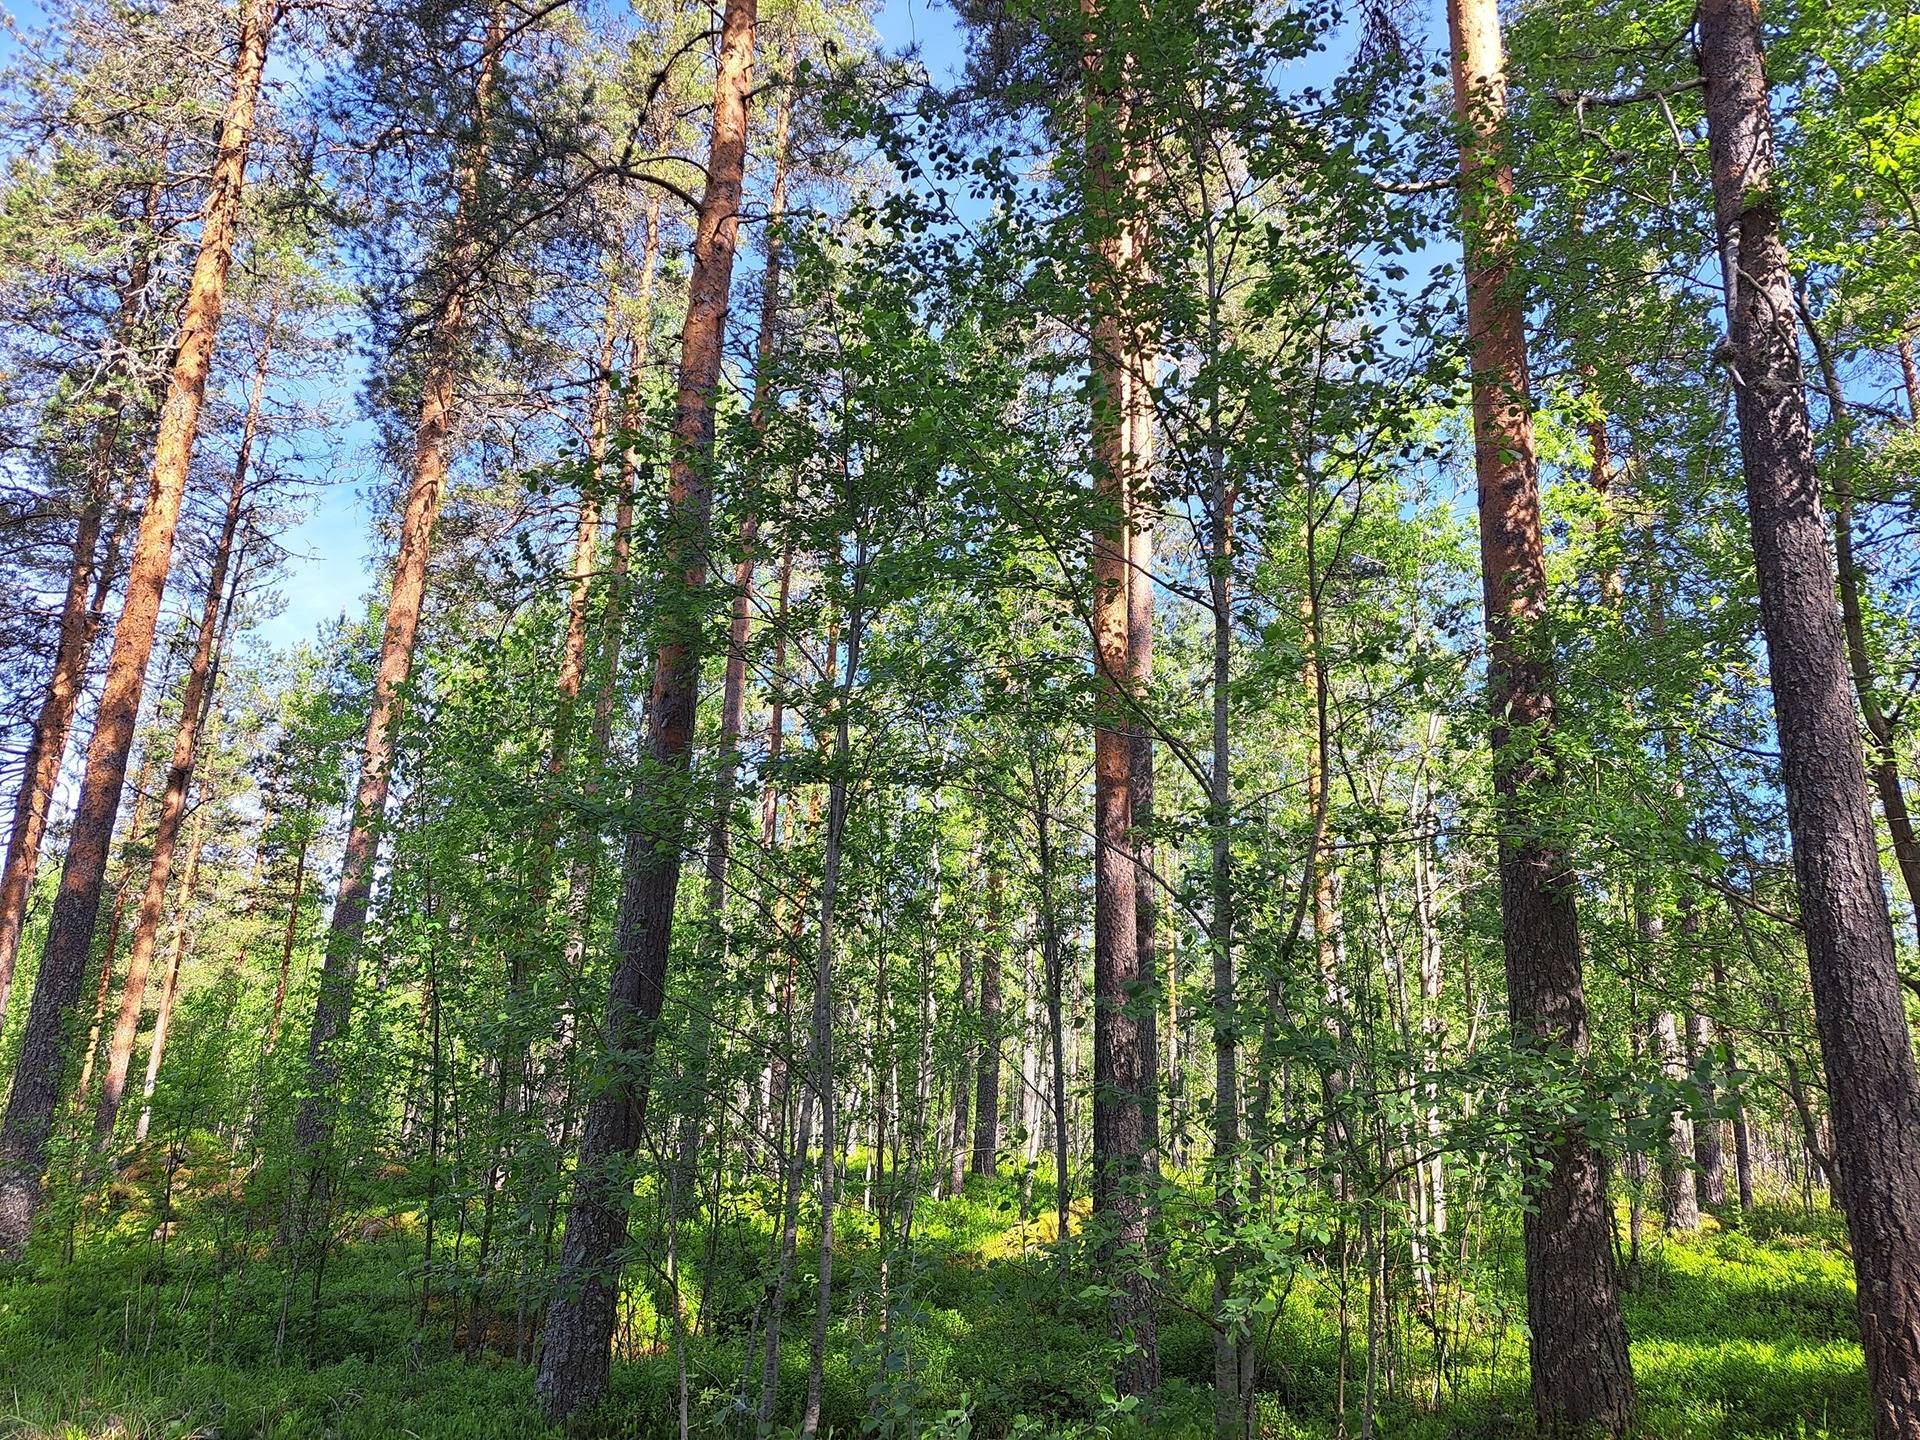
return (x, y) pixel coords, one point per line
(330, 551)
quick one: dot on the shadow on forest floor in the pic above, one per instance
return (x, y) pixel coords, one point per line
(1743, 1334)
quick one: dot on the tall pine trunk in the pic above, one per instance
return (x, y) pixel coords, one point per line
(1124, 1119)
(1875, 1094)
(574, 1365)
(41, 1066)
(196, 696)
(1578, 1347)
(406, 599)
(90, 569)
(733, 690)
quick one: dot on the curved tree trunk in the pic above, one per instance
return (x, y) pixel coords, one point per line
(63, 964)
(1874, 1090)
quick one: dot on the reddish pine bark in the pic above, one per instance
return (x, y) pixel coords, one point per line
(406, 600)
(1861, 1017)
(733, 690)
(1124, 1119)
(1581, 1377)
(63, 964)
(103, 986)
(196, 696)
(579, 1329)
(79, 626)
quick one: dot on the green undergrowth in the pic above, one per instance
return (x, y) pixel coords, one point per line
(121, 1330)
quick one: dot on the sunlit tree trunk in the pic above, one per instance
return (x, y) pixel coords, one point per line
(90, 569)
(574, 1364)
(40, 1069)
(1124, 1117)
(116, 926)
(1580, 1371)
(1861, 1015)
(733, 696)
(196, 697)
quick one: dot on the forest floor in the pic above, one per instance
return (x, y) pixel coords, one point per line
(115, 1330)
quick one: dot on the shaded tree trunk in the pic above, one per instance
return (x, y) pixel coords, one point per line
(963, 1077)
(613, 630)
(41, 1066)
(406, 599)
(1884, 754)
(822, 1042)
(170, 987)
(1861, 1016)
(1232, 1350)
(1742, 1136)
(1578, 1346)
(986, 1092)
(574, 1365)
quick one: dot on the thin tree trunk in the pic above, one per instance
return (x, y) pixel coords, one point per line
(986, 1093)
(170, 988)
(1055, 981)
(1742, 1137)
(1710, 1181)
(63, 964)
(1232, 1354)
(287, 938)
(110, 951)
(960, 1140)
(406, 598)
(1580, 1370)
(822, 1045)
(574, 1365)
(80, 621)
(1861, 1016)
(1678, 1209)
(196, 699)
